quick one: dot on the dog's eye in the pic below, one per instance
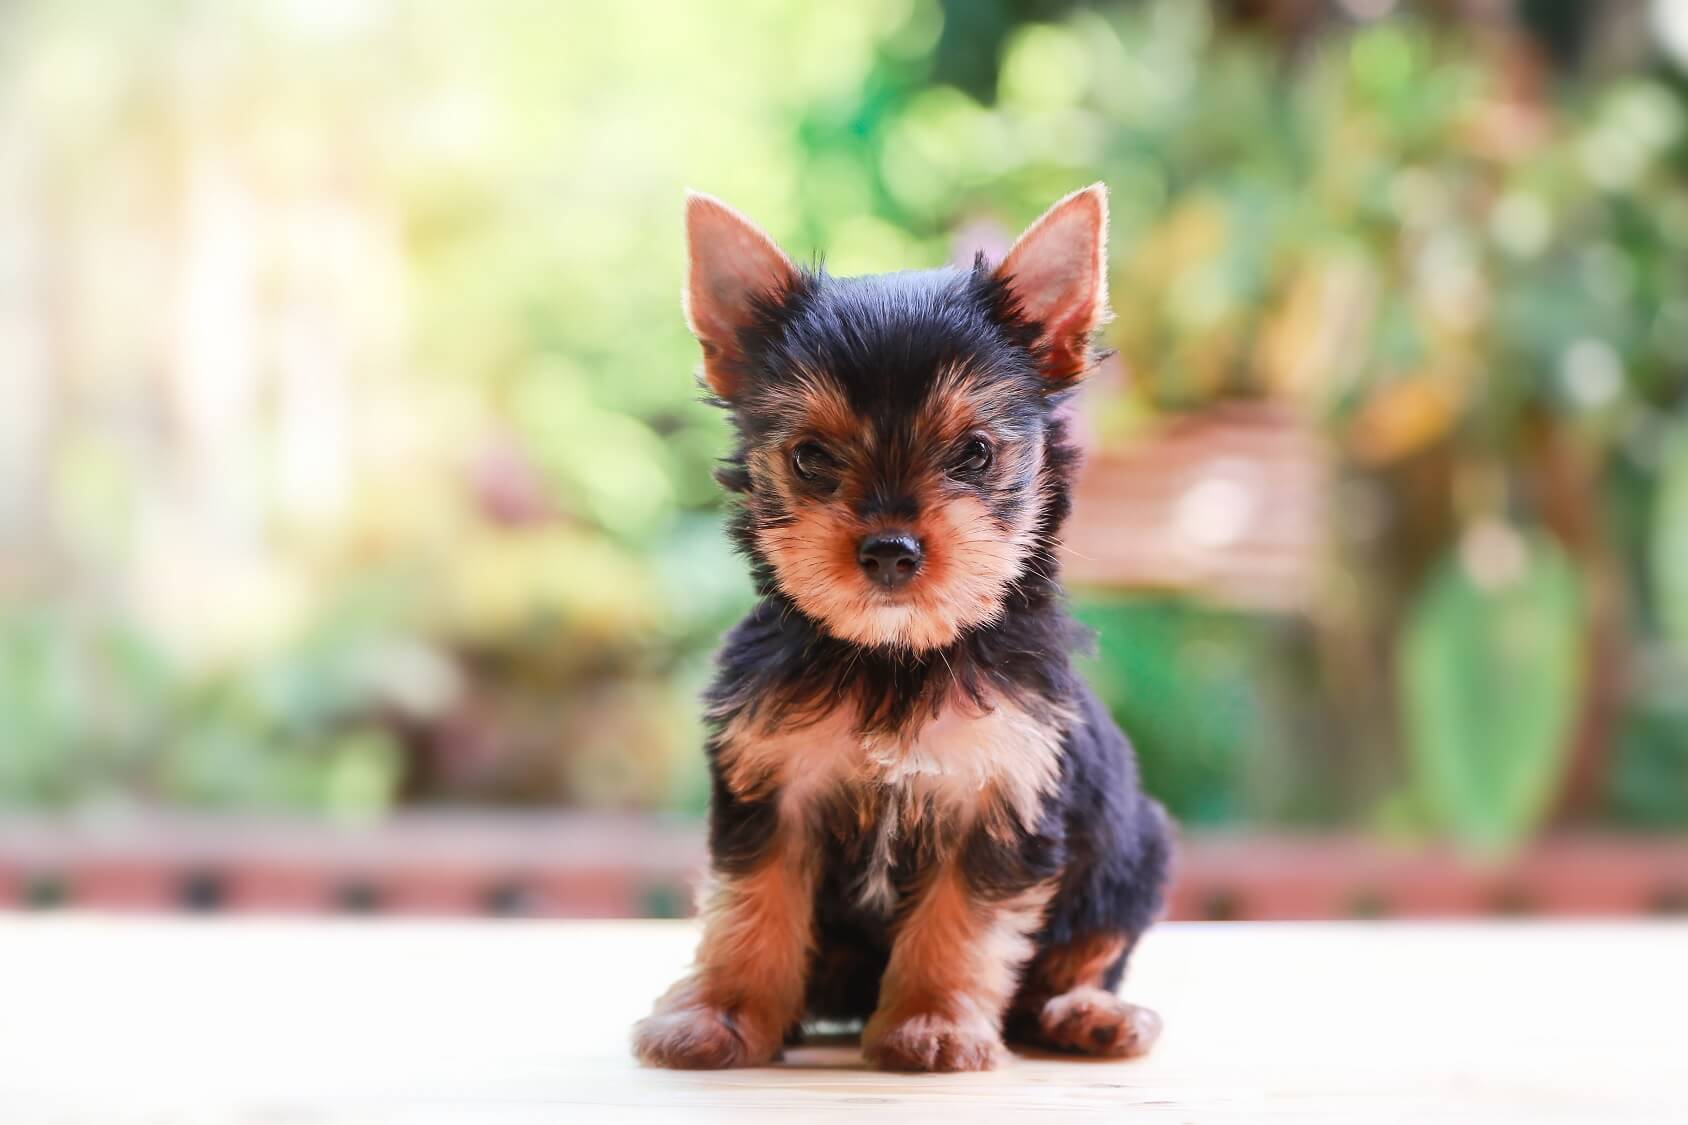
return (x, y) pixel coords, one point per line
(812, 462)
(975, 457)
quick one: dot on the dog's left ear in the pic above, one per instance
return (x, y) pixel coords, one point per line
(1058, 274)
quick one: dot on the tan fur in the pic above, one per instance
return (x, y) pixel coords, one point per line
(994, 761)
(1083, 961)
(1062, 1004)
(953, 968)
(960, 401)
(970, 557)
(1092, 1021)
(745, 989)
(817, 408)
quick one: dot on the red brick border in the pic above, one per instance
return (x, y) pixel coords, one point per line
(595, 866)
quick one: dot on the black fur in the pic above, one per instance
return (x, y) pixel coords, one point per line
(883, 339)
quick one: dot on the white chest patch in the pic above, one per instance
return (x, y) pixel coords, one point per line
(965, 764)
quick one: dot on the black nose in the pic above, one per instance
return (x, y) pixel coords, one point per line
(889, 558)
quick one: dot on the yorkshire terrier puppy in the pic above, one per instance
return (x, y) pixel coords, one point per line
(922, 821)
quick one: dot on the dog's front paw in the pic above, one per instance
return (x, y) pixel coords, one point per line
(932, 1043)
(1092, 1021)
(696, 1037)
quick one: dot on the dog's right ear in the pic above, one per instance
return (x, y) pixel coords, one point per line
(731, 263)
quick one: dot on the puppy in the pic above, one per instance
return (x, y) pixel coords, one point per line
(922, 821)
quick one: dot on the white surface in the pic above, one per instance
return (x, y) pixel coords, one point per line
(370, 1021)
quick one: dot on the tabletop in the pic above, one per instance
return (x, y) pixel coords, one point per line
(109, 1020)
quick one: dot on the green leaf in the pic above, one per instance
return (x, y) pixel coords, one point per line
(1491, 676)
(1669, 547)
(1186, 683)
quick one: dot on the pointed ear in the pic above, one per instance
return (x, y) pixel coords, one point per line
(1058, 274)
(730, 263)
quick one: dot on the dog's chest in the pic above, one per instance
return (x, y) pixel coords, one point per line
(953, 760)
(886, 803)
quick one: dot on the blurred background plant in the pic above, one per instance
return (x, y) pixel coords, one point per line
(350, 456)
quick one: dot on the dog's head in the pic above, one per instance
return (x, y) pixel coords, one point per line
(899, 452)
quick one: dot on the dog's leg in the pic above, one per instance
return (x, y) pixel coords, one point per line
(745, 990)
(954, 963)
(1066, 1003)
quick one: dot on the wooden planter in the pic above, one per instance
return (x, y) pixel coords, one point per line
(1227, 505)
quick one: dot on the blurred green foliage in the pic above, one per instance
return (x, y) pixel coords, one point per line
(1490, 673)
(1465, 273)
(98, 713)
(1184, 681)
